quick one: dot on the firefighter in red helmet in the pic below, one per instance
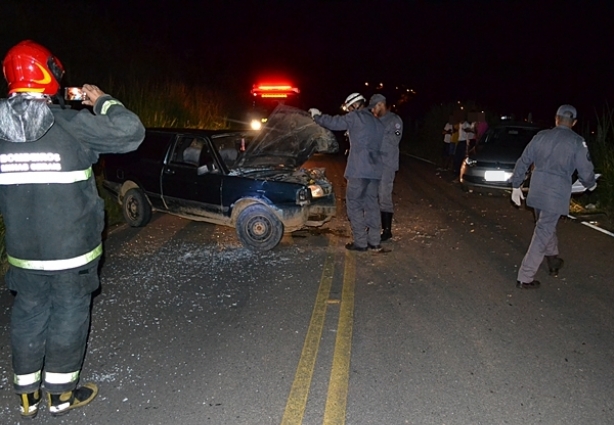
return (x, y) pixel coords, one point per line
(53, 218)
(31, 68)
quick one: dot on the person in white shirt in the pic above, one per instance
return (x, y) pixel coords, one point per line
(447, 152)
(461, 147)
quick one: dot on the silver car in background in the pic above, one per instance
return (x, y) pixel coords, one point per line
(491, 164)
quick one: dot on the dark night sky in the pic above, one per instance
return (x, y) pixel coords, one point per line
(511, 56)
(520, 56)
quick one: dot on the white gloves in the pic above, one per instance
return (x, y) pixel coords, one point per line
(517, 196)
(314, 111)
(590, 189)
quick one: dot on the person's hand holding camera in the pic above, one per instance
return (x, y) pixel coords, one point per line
(93, 93)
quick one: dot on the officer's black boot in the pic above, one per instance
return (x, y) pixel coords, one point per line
(60, 404)
(386, 226)
(29, 404)
(554, 264)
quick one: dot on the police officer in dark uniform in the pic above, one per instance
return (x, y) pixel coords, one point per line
(393, 131)
(363, 170)
(54, 219)
(555, 155)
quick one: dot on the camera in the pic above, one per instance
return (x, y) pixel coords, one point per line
(74, 93)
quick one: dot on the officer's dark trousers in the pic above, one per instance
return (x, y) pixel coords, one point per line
(50, 323)
(385, 190)
(363, 211)
(544, 242)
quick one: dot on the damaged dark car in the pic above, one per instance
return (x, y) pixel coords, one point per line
(250, 181)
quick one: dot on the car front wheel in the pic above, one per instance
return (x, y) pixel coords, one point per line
(258, 228)
(136, 208)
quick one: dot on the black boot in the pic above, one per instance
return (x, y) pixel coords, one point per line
(29, 404)
(554, 264)
(386, 226)
(60, 404)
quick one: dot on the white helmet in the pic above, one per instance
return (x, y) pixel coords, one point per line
(353, 98)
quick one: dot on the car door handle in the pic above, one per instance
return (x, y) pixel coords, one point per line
(169, 171)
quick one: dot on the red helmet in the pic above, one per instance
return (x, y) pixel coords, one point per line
(30, 67)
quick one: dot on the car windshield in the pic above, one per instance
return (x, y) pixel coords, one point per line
(509, 136)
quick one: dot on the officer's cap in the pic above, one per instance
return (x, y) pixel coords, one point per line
(375, 99)
(567, 111)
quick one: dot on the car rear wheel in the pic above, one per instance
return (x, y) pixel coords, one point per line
(258, 228)
(136, 208)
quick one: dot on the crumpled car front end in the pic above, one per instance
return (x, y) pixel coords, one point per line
(288, 140)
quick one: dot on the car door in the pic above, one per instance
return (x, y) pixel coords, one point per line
(192, 178)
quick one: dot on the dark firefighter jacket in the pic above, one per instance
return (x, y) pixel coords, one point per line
(48, 198)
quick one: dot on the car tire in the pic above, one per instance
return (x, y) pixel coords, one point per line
(258, 228)
(136, 208)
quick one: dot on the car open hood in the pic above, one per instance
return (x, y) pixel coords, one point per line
(287, 141)
(498, 154)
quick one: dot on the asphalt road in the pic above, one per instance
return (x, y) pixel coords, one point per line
(191, 328)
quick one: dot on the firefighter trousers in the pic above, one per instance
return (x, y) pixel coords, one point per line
(49, 326)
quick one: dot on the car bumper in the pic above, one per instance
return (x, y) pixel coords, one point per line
(322, 210)
(486, 177)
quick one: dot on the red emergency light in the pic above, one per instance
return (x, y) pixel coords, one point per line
(273, 95)
(274, 90)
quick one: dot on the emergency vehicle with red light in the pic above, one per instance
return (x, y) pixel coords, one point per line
(265, 98)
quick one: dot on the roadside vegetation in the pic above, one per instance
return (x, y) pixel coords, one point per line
(601, 146)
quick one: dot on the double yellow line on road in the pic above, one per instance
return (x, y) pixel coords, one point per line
(334, 411)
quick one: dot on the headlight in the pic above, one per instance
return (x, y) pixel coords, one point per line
(256, 124)
(470, 162)
(316, 190)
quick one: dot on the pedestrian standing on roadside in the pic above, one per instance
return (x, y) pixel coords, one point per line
(481, 127)
(54, 219)
(447, 152)
(555, 154)
(393, 131)
(461, 147)
(363, 170)
(471, 137)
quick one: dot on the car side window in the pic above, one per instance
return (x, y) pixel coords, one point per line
(187, 151)
(195, 152)
(206, 159)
